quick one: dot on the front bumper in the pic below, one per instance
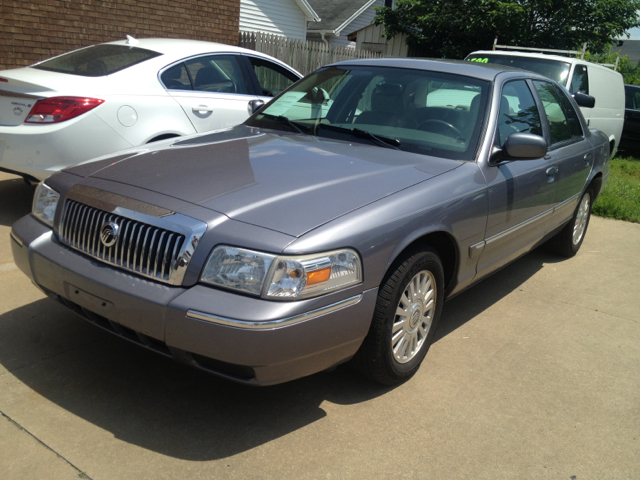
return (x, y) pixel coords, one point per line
(245, 339)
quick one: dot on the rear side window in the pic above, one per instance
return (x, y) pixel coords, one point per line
(562, 127)
(97, 61)
(216, 73)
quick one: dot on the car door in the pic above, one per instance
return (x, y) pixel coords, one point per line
(521, 194)
(570, 154)
(631, 132)
(269, 78)
(213, 90)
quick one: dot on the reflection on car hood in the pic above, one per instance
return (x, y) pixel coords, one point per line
(285, 182)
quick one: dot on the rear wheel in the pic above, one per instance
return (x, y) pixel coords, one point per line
(569, 240)
(405, 319)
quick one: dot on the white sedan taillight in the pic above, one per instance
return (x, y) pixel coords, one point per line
(59, 109)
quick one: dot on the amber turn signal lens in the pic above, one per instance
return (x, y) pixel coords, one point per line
(318, 276)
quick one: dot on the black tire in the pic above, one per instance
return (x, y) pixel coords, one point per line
(375, 358)
(564, 243)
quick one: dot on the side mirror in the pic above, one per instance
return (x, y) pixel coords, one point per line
(525, 146)
(584, 100)
(255, 105)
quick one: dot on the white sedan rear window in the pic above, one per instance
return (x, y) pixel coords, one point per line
(97, 61)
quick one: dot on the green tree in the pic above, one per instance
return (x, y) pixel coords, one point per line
(454, 28)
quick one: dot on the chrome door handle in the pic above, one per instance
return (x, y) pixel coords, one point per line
(202, 109)
(551, 171)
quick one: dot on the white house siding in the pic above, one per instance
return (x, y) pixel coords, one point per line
(361, 21)
(281, 17)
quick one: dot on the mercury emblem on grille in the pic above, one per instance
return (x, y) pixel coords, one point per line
(109, 234)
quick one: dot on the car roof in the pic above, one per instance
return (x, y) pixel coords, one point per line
(174, 49)
(178, 46)
(483, 71)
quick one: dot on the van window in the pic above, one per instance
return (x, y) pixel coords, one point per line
(580, 80)
(553, 69)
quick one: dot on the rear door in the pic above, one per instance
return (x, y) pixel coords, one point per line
(213, 90)
(570, 154)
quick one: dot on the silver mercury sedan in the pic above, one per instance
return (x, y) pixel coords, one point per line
(330, 226)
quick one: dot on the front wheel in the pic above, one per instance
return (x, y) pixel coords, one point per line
(405, 319)
(568, 241)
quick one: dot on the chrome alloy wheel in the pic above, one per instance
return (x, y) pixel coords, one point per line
(414, 316)
(582, 217)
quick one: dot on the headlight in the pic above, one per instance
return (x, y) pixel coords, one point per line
(45, 202)
(282, 277)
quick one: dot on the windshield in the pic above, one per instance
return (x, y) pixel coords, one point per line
(553, 69)
(417, 111)
(97, 61)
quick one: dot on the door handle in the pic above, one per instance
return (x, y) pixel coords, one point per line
(202, 109)
(551, 171)
(587, 159)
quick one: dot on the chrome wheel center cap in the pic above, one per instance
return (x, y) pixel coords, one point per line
(416, 314)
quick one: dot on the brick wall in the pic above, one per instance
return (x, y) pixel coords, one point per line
(37, 29)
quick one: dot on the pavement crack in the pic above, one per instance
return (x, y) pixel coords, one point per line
(81, 474)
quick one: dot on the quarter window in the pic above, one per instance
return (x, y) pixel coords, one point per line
(176, 78)
(518, 111)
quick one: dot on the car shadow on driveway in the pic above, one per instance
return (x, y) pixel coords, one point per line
(15, 199)
(153, 402)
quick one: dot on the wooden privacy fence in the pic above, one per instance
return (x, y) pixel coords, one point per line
(302, 55)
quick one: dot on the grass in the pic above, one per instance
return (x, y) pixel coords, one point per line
(620, 199)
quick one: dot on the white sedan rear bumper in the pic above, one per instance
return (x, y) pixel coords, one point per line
(40, 150)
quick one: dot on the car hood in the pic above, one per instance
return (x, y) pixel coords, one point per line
(285, 182)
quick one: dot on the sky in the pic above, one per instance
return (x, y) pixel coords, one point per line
(635, 34)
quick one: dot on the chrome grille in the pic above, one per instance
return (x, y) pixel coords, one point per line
(141, 248)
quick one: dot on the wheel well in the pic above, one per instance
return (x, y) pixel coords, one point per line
(596, 184)
(164, 136)
(447, 250)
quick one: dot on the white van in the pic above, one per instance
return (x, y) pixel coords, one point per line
(577, 75)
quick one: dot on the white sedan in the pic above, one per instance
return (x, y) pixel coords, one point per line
(109, 97)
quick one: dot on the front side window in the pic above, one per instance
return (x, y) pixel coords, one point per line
(518, 111)
(580, 80)
(560, 126)
(97, 61)
(216, 73)
(272, 78)
(418, 111)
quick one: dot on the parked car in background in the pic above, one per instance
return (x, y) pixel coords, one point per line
(577, 76)
(631, 132)
(329, 226)
(108, 97)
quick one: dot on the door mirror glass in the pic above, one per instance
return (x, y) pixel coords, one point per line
(584, 100)
(525, 146)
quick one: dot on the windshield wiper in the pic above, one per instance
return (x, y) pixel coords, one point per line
(356, 132)
(295, 125)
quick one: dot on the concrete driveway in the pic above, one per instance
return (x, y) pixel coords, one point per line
(535, 373)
